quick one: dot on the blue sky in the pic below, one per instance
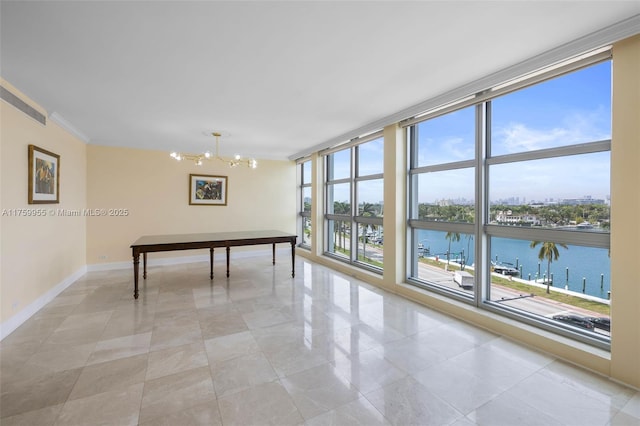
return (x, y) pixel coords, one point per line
(571, 109)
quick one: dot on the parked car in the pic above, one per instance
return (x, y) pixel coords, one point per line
(603, 323)
(575, 320)
(504, 269)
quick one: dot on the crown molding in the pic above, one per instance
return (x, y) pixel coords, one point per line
(60, 121)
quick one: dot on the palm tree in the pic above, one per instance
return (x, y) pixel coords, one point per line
(550, 252)
(451, 236)
(367, 210)
(469, 238)
(341, 207)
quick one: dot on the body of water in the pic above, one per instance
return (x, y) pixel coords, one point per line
(588, 263)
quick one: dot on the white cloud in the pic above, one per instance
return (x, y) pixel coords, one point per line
(575, 128)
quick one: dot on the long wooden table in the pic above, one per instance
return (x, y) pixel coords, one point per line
(155, 243)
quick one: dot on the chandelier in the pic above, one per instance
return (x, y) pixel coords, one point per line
(237, 160)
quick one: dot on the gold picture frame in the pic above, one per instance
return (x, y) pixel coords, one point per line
(44, 176)
(208, 190)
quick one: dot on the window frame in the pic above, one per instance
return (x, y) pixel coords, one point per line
(482, 230)
(353, 218)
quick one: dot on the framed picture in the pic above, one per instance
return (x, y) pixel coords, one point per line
(207, 190)
(44, 176)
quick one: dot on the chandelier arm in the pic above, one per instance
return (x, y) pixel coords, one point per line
(197, 158)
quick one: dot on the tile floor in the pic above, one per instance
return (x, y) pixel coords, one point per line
(261, 348)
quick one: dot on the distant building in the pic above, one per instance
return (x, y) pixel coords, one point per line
(507, 216)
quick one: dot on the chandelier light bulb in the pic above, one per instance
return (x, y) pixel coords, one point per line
(208, 155)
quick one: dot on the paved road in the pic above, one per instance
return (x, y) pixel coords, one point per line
(535, 304)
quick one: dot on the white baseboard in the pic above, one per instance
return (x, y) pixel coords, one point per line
(9, 326)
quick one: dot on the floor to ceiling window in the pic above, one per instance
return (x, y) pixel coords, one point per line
(354, 205)
(509, 199)
(306, 199)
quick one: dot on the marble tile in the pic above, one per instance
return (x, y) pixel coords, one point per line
(562, 402)
(632, 407)
(267, 318)
(205, 414)
(120, 407)
(262, 348)
(85, 321)
(110, 376)
(37, 392)
(460, 388)
(494, 367)
(356, 413)
(42, 417)
(624, 419)
(175, 360)
(120, 347)
(368, 370)
(407, 402)
(272, 339)
(168, 395)
(506, 410)
(320, 389)
(411, 355)
(270, 405)
(589, 383)
(293, 358)
(241, 373)
(73, 337)
(133, 320)
(58, 358)
(357, 338)
(169, 336)
(230, 346)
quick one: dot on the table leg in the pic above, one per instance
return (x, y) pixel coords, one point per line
(228, 256)
(274, 253)
(211, 262)
(136, 264)
(144, 265)
(293, 259)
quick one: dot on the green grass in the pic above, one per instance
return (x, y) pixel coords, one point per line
(361, 258)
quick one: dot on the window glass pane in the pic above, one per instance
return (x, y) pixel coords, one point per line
(445, 259)
(339, 237)
(306, 199)
(339, 198)
(306, 172)
(369, 195)
(371, 157)
(446, 196)
(306, 231)
(578, 280)
(569, 192)
(339, 165)
(574, 108)
(370, 240)
(445, 139)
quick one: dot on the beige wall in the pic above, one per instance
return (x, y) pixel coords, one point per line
(154, 189)
(38, 253)
(625, 205)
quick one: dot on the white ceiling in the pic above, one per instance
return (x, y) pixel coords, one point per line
(276, 78)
